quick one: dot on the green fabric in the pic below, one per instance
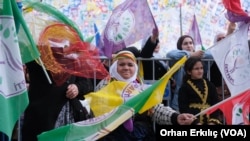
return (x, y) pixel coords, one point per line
(27, 45)
(13, 91)
(55, 13)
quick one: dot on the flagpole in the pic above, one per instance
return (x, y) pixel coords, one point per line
(45, 72)
(181, 19)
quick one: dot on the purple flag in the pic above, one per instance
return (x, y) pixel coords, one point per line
(233, 17)
(130, 21)
(195, 33)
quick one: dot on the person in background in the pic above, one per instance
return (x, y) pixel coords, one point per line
(185, 47)
(153, 70)
(197, 93)
(215, 74)
(124, 68)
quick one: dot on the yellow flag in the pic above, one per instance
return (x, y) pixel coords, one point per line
(111, 96)
(117, 92)
(158, 88)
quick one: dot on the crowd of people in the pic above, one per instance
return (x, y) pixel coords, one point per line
(191, 91)
(52, 106)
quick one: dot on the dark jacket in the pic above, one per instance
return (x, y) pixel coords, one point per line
(46, 101)
(147, 52)
(193, 99)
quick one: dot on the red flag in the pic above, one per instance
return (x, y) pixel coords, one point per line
(234, 106)
(234, 11)
(234, 6)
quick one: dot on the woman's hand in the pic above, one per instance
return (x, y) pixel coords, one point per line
(72, 91)
(198, 53)
(185, 119)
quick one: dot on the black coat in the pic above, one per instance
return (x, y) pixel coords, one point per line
(189, 97)
(46, 101)
(147, 52)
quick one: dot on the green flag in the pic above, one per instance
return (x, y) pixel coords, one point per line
(27, 45)
(55, 13)
(13, 91)
(89, 130)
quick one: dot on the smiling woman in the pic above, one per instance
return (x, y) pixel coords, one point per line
(124, 69)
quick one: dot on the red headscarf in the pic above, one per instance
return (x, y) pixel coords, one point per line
(64, 54)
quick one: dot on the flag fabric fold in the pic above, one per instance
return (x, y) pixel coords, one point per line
(91, 129)
(130, 21)
(235, 109)
(234, 6)
(100, 126)
(27, 45)
(55, 13)
(13, 91)
(232, 58)
(97, 36)
(234, 11)
(107, 98)
(153, 95)
(98, 42)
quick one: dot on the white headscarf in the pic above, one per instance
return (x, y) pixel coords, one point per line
(113, 69)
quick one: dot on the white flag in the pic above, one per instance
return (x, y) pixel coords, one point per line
(233, 59)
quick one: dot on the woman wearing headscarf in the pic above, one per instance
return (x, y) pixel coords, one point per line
(140, 127)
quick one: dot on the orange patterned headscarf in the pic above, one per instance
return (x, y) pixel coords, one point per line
(124, 54)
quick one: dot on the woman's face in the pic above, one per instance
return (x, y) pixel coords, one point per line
(126, 68)
(187, 44)
(197, 71)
